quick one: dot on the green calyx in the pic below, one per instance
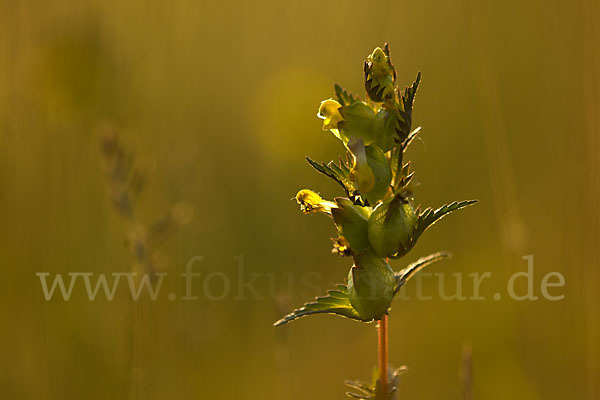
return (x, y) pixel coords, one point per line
(391, 226)
(352, 222)
(371, 284)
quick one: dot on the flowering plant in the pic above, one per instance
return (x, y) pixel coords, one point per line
(376, 220)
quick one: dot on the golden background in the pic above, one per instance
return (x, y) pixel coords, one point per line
(218, 101)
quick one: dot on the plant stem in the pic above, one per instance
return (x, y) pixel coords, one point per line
(382, 328)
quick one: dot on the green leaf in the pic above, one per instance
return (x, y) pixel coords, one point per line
(343, 97)
(373, 390)
(336, 302)
(411, 136)
(402, 177)
(340, 173)
(427, 218)
(361, 390)
(406, 102)
(404, 275)
(337, 173)
(396, 162)
(401, 186)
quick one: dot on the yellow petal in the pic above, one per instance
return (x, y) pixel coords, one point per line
(363, 176)
(329, 112)
(310, 202)
(361, 173)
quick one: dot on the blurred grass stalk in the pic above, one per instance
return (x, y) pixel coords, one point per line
(466, 372)
(125, 183)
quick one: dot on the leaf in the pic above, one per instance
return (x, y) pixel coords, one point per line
(336, 302)
(427, 218)
(402, 179)
(405, 274)
(373, 390)
(340, 174)
(411, 136)
(396, 162)
(406, 101)
(343, 97)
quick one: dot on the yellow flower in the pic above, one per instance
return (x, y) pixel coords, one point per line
(361, 173)
(329, 112)
(310, 202)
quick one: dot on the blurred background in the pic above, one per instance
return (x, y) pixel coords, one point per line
(217, 103)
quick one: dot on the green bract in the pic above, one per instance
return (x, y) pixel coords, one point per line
(376, 220)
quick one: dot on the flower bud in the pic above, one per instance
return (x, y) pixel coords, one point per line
(380, 75)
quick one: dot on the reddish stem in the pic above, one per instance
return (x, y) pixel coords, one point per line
(382, 329)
